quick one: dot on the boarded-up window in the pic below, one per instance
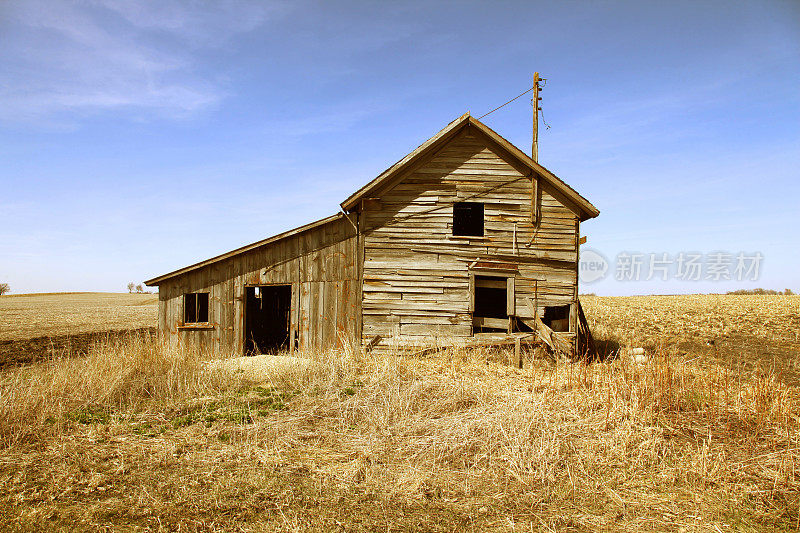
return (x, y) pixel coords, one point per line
(195, 308)
(468, 219)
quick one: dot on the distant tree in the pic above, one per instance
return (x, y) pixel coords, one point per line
(4, 288)
(760, 292)
(139, 289)
(130, 287)
(788, 292)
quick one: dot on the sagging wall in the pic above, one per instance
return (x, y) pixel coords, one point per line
(320, 264)
(416, 283)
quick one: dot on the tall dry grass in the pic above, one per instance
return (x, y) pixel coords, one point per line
(127, 374)
(667, 437)
(614, 445)
(137, 374)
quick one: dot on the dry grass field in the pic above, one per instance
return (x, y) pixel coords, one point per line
(34, 326)
(135, 436)
(27, 316)
(750, 332)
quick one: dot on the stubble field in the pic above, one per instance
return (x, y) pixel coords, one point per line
(742, 332)
(27, 316)
(701, 437)
(32, 326)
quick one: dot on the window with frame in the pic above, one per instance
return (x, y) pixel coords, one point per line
(195, 308)
(491, 297)
(468, 219)
(557, 317)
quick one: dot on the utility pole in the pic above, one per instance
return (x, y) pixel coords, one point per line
(535, 152)
(536, 108)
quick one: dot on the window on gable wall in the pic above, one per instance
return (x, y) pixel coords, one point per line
(468, 219)
(195, 308)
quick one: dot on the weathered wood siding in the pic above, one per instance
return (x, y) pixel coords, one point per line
(321, 265)
(416, 277)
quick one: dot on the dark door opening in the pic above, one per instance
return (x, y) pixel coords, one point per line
(267, 321)
(491, 297)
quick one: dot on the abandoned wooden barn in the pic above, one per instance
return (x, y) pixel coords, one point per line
(464, 238)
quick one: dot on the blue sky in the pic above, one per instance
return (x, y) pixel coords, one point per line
(139, 137)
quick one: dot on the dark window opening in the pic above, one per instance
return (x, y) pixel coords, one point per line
(521, 327)
(468, 219)
(557, 317)
(491, 301)
(267, 318)
(195, 308)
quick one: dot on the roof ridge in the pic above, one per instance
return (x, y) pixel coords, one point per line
(589, 210)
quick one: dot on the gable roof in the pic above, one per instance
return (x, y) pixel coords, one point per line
(587, 210)
(426, 149)
(243, 249)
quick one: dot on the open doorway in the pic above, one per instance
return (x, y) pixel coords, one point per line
(491, 304)
(267, 318)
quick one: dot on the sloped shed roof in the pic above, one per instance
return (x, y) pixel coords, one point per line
(243, 249)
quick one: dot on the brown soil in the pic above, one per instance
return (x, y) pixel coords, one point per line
(26, 351)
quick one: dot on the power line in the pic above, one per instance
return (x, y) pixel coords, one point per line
(544, 84)
(498, 107)
(546, 125)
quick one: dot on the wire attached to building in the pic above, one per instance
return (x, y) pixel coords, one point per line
(498, 107)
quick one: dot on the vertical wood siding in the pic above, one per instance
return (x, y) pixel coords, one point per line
(321, 266)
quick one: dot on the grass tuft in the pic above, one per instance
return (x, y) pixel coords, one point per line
(139, 435)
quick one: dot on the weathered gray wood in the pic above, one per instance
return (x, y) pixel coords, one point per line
(480, 321)
(511, 299)
(316, 262)
(410, 250)
(393, 268)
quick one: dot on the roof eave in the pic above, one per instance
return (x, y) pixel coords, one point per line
(429, 145)
(269, 240)
(587, 210)
(585, 206)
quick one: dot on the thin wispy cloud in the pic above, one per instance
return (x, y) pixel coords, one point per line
(669, 115)
(138, 136)
(61, 60)
(340, 118)
(632, 122)
(199, 23)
